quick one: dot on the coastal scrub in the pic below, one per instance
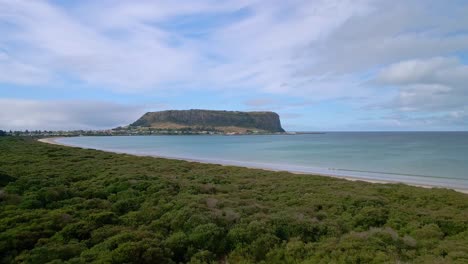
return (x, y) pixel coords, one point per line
(69, 205)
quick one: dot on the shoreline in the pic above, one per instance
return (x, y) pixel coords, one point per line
(53, 140)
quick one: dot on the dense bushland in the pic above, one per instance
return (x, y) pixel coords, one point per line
(61, 204)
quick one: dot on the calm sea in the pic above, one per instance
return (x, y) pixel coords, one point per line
(434, 158)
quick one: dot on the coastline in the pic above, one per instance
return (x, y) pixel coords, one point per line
(53, 140)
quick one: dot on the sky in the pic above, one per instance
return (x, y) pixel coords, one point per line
(331, 65)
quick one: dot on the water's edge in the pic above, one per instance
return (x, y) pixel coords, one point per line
(352, 175)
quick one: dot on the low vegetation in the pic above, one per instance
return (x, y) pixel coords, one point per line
(69, 205)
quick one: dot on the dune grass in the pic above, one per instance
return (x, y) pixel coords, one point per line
(69, 205)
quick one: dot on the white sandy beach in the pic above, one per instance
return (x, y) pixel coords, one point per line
(54, 141)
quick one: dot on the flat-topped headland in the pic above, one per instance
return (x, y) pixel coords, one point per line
(211, 120)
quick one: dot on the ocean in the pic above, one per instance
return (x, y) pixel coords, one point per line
(426, 158)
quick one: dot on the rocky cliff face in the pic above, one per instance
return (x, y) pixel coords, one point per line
(228, 121)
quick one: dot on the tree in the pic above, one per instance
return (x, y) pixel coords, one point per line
(2, 133)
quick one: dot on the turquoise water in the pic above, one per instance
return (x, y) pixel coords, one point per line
(432, 158)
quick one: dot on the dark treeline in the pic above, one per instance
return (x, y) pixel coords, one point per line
(119, 131)
(69, 205)
(51, 133)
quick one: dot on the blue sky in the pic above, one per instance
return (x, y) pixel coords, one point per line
(322, 65)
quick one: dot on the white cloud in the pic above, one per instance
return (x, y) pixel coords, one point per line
(441, 70)
(15, 71)
(265, 50)
(392, 32)
(122, 45)
(297, 47)
(56, 115)
(61, 43)
(435, 85)
(320, 50)
(452, 121)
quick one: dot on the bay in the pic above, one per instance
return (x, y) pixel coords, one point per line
(425, 158)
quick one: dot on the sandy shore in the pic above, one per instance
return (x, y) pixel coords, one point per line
(55, 142)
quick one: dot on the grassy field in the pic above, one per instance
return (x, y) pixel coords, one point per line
(69, 205)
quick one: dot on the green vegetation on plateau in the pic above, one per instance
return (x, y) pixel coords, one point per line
(68, 205)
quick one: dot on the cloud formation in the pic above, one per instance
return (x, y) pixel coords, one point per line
(130, 48)
(436, 87)
(401, 57)
(65, 115)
